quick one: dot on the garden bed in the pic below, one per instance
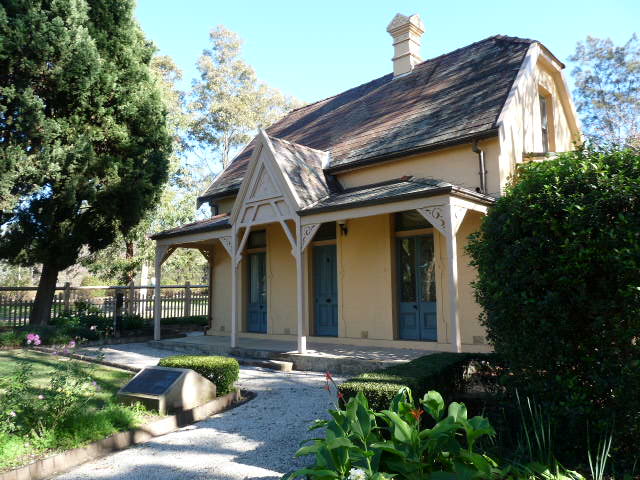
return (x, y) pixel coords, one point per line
(57, 463)
(51, 404)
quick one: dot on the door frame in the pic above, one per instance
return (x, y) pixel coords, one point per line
(419, 232)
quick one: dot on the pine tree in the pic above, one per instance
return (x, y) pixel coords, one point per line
(84, 144)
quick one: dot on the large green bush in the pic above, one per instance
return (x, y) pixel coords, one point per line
(441, 371)
(223, 371)
(558, 259)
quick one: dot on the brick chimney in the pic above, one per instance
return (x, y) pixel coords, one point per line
(406, 33)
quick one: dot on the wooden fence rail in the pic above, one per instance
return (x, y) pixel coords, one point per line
(178, 301)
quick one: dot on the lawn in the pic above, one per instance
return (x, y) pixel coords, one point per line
(99, 417)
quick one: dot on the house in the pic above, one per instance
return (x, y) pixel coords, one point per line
(346, 221)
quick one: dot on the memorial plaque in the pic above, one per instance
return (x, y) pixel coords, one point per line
(152, 381)
(168, 389)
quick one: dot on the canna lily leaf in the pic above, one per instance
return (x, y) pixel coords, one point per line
(458, 411)
(433, 404)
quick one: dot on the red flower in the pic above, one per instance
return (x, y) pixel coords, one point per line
(340, 395)
(416, 413)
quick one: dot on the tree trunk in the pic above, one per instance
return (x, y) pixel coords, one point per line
(130, 275)
(41, 311)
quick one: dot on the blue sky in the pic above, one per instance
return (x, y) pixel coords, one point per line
(312, 50)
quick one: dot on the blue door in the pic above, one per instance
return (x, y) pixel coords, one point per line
(257, 311)
(325, 290)
(417, 289)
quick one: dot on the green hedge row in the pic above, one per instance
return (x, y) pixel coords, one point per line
(444, 372)
(223, 371)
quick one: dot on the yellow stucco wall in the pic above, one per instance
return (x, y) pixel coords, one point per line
(281, 283)
(457, 165)
(365, 279)
(468, 309)
(221, 290)
(225, 204)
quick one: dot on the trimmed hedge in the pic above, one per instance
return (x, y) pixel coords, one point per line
(443, 372)
(223, 371)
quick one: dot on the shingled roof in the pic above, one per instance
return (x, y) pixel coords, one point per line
(447, 100)
(389, 191)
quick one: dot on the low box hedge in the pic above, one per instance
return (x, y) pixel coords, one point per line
(223, 371)
(444, 372)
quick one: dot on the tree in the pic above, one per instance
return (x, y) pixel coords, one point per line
(558, 258)
(123, 259)
(228, 103)
(79, 106)
(607, 92)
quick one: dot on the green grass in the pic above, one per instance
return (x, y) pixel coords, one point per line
(102, 416)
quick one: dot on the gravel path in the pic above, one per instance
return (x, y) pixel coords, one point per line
(256, 440)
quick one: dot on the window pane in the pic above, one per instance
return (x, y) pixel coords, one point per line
(544, 123)
(410, 220)
(407, 262)
(426, 269)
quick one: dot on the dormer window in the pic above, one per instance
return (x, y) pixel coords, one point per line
(544, 121)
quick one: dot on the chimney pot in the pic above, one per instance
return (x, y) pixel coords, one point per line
(407, 33)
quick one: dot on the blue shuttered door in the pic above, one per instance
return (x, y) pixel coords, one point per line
(417, 289)
(325, 290)
(257, 308)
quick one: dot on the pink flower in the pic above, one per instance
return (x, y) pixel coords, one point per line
(13, 414)
(72, 344)
(33, 338)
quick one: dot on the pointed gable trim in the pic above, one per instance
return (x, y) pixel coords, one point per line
(265, 194)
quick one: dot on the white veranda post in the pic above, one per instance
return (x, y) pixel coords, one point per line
(447, 220)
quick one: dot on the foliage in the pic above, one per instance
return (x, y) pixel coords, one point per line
(401, 442)
(223, 371)
(558, 259)
(607, 93)
(199, 320)
(11, 338)
(444, 371)
(228, 102)
(65, 407)
(83, 132)
(125, 257)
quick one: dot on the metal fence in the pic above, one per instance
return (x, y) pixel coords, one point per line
(178, 301)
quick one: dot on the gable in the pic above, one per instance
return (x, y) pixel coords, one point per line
(520, 122)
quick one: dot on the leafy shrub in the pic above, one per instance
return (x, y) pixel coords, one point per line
(223, 371)
(11, 338)
(399, 442)
(200, 320)
(442, 371)
(133, 322)
(558, 258)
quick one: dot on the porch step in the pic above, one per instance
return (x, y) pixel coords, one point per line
(278, 360)
(246, 357)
